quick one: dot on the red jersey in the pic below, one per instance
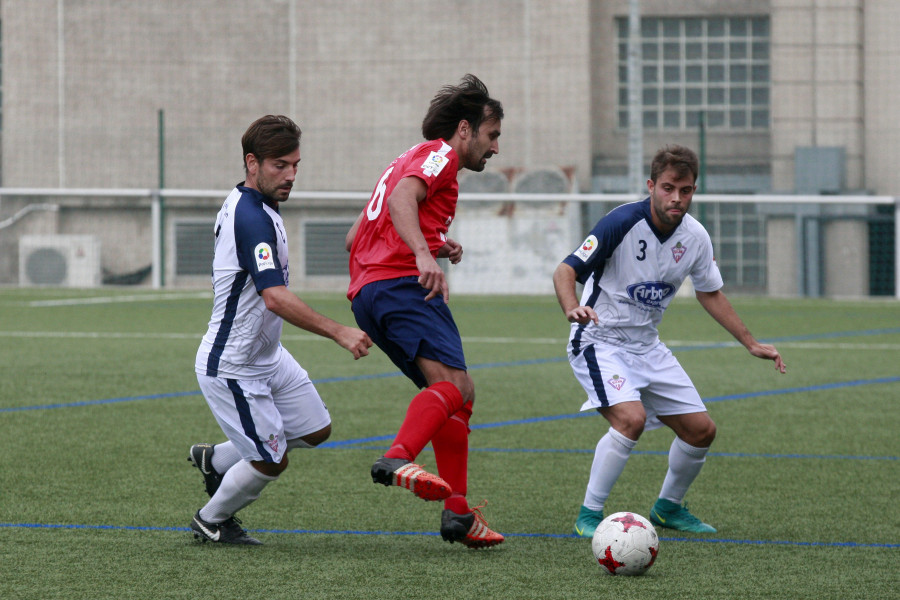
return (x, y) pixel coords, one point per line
(378, 252)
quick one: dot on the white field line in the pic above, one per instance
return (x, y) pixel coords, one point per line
(470, 340)
(116, 299)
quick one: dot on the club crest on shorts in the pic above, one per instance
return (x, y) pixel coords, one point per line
(617, 382)
(272, 442)
(678, 251)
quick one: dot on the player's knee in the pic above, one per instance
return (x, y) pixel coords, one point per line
(317, 437)
(464, 384)
(467, 389)
(632, 426)
(702, 436)
(709, 434)
(271, 469)
(629, 422)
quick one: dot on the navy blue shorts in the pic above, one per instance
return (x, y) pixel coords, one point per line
(394, 314)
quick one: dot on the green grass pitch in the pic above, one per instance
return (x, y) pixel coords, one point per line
(99, 405)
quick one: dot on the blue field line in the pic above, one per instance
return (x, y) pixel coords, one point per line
(775, 392)
(544, 419)
(793, 390)
(790, 338)
(433, 534)
(809, 388)
(98, 402)
(363, 446)
(537, 361)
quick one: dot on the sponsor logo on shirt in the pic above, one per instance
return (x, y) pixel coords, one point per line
(587, 248)
(678, 251)
(650, 293)
(263, 256)
(434, 164)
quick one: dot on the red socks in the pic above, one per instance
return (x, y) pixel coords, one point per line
(437, 414)
(451, 452)
(426, 415)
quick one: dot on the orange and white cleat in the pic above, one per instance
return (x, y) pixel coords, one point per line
(409, 475)
(470, 529)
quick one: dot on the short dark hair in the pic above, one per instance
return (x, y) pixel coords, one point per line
(469, 101)
(270, 136)
(682, 159)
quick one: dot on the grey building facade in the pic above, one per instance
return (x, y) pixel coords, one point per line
(779, 96)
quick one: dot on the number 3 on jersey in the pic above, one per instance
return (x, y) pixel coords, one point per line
(643, 254)
(373, 209)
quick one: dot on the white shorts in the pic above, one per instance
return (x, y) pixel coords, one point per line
(611, 375)
(260, 415)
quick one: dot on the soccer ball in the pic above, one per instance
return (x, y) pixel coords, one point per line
(625, 544)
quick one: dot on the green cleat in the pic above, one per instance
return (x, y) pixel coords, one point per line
(587, 521)
(668, 514)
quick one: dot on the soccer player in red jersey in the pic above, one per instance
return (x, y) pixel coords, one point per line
(399, 297)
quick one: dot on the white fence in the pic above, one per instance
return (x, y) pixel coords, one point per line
(780, 245)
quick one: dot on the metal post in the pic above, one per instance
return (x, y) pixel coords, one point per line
(897, 248)
(702, 157)
(635, 114)
(159, 204)
(156, 267)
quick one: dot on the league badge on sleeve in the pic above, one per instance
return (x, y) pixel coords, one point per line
(587, 248)
(434, 164)
(263, 256)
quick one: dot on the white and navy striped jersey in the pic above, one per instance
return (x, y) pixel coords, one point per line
(631, 272)
(251, 254)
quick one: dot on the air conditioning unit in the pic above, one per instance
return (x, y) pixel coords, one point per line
(59, 260)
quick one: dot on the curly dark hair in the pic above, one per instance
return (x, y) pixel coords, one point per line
(469, 101)
(270, 136)
(682, 159)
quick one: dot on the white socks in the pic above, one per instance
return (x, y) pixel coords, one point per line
(241, 482)
(241, 485)
(225, 456)
(610, 457)
(685, 462)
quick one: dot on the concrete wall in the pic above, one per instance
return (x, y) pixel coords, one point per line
(817, 84)
(882, 89)
(83, 83)
(80, 100)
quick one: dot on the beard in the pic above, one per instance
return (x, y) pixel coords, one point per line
(476, 164)
(272, 190)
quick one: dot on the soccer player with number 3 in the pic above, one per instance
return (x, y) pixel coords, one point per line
(399, 296)
(631, 265)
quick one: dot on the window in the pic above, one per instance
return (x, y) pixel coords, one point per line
(694, 69)
(1, 107)
(738, 233)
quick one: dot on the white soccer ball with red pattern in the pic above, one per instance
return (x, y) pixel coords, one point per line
(625, 543)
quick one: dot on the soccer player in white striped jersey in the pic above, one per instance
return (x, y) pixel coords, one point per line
(261, 397)
(631, 264)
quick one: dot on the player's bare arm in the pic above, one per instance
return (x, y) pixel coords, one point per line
(718, 306)
(564, 284)
(351, 235)
(403, 205)
(452, 251)
(298, 313)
